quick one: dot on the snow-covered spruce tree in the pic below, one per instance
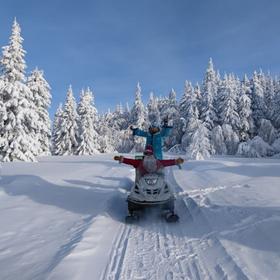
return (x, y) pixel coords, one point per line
(199, 147)
(276, 106)
(19, 130)
(69, 128)
(269, 97)
(120, 118)
(197, 94)
(231, 139)
(208, 112)
(190, 129)
(258, 101)
(162, 103)
(189, 112)
(187, 101)
(1, 86)
(218, 140)
(171, 111)
(228, 94)
(125, 143)
(56, 132)
(183, 109)
(138, 113)
(126, 115)
(42, 100)
(172, 100)
(246, 127)
(88, 141)
(216, 100)
(170, 108)
(138, 118)
(108, 133)
(121, 135)
(153, 111)
(1, 101)
(2, 114)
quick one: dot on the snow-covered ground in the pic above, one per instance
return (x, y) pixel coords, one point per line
(63, 218)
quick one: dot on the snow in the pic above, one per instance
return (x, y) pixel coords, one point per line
(63, 218)
(255, 148)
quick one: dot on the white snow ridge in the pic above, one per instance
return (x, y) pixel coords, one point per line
(63, 218)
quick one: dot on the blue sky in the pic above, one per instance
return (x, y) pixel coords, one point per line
(110, 45)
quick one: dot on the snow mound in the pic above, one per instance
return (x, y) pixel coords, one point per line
(256, 147)
(267, 132)
(276, 145)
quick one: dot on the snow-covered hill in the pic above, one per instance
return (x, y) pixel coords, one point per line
(62, 218)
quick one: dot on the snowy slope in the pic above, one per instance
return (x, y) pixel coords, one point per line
(62, 218)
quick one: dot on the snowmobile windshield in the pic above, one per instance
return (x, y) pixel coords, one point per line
(150, 164)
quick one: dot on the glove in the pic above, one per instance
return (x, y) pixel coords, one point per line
(179, 161)
(119, 158)
(165, 121)
(133, 130)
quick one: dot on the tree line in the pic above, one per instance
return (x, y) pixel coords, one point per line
(220, 116)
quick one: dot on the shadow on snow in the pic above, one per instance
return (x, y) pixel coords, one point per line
(101, 199)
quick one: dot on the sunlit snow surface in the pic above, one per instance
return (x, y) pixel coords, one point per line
(63, 218)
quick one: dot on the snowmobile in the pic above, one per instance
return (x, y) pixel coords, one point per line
(151, 190)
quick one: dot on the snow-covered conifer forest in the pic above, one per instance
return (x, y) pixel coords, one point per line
(225, 115)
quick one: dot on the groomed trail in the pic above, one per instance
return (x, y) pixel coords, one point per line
(63, 218)
(153, 249)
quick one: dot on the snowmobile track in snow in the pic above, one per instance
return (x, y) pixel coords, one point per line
(153, 249)
(117, 254)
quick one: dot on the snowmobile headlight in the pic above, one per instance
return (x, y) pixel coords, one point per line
(151, 181)
(166, 189)
(136, 189)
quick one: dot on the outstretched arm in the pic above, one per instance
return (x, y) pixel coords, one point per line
(134, 162)
(129, 161)
(170, 162)
(167, 162)
(165, 131)
(139, 132)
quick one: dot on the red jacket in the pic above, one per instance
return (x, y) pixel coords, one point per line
(138, 163)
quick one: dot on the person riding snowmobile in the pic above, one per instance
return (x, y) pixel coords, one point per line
(149, 164)
(154, 136)
(150, 188)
